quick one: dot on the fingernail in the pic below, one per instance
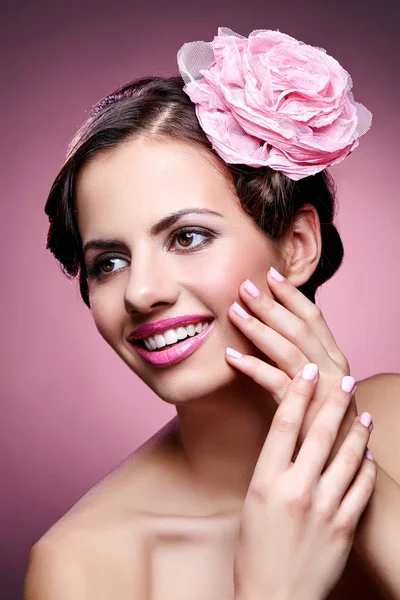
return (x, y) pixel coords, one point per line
(366, 419)
(251, 288)
(233, 353)
(348, 383)
(310, 371)
(240, 311)
(275, 274)
(368, 454)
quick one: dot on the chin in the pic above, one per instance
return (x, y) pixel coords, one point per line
(189, 380)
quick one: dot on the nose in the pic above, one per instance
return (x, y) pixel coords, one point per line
(151, 284)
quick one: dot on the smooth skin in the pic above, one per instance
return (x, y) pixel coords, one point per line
(292, 331)
(200, 466)
(297, 525)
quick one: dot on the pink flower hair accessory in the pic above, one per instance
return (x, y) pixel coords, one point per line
(271, 100)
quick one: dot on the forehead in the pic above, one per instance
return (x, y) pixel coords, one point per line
(141, 181)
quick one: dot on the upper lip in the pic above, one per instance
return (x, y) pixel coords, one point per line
(148, 329)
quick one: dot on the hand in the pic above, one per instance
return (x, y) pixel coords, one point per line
(291, 334)
(297, 526)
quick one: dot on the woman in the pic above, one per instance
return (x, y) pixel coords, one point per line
(199, 219)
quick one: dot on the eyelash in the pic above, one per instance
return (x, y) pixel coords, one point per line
(94, 269)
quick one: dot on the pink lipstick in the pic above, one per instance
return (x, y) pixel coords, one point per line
(175, 353)
(144, 331)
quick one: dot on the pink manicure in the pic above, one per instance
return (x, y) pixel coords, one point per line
(366, 419)
(275, 274)
(251, 288)
(310, 371)
(233, 353)
(348, 383)
(240, 311)
(368, 454)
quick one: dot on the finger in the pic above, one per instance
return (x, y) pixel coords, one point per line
(280, 443)
(323, 431)
(338, 476)
(286, 323)
(296, 302)
(286, 355)
(270, 378)
(357, 496)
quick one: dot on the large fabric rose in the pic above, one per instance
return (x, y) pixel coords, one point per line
(271, 100)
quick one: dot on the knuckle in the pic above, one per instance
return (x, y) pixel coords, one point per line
(343, 363)
(301, 389)
(345, 528)
(268, 303)
(325, 511)
(284, 422)
(300, 331)
(299, 502)
(259, 492)
(293, 355)
(292, 293)
(322, 435)
(351, 459)
(255, 367)
(316, 313)
(340, 400)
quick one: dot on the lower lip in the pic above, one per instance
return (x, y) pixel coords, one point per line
(175, 353)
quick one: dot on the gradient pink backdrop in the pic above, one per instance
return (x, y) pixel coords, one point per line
(70, 409)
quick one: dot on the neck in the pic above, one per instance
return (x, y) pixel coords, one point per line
(221, 437)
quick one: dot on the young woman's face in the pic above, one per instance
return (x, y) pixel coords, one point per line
(193, 265)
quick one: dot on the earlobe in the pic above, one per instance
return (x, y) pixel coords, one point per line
(303, 245)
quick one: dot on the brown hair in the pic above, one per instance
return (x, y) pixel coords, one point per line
(158, 107)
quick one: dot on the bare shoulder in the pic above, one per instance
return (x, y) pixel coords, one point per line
(54, 573)
(380, 396)
(99, 547)
(81, 566)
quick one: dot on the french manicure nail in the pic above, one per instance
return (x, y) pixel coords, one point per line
(366, 419)
(310, 371)
(240, 311)
(348, 383)
(275, 274)
(251, 288)
(233, 353)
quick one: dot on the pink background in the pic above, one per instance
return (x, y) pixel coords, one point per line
(70, 409)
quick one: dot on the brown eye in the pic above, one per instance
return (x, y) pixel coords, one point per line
(188, 239)
(185, 238)
(104, 265)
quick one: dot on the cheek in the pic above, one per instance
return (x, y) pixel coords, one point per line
(105, 314)
(220, 277)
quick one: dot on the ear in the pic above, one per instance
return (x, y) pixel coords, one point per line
(301, 246)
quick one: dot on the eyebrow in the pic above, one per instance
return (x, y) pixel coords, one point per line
(156, 229)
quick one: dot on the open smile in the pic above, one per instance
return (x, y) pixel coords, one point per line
(175, 352)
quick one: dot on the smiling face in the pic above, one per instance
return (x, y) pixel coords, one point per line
(192, 265)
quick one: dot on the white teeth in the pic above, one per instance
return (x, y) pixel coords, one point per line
(181, 332)
(191, 330)
(171, 336)
(199, 328)
(159, 340)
